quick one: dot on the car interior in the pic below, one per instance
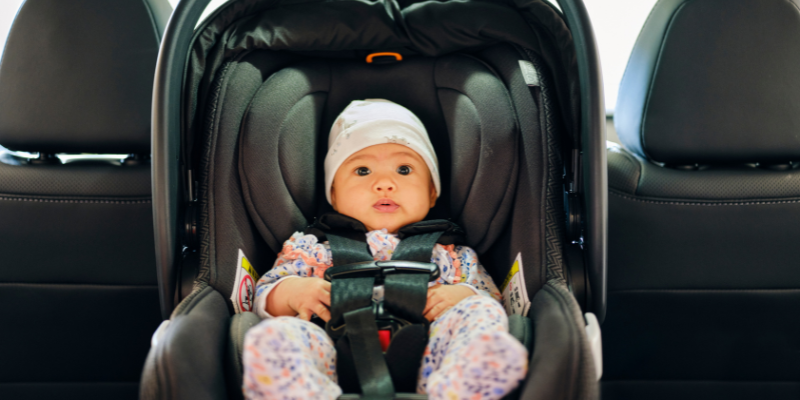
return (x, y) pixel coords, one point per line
(79, 295)
(156, 154)
(702, 196)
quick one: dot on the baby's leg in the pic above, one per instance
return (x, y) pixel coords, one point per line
(471, 355)
(289, 358)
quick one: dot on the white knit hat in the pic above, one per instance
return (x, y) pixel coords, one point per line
(370, 122)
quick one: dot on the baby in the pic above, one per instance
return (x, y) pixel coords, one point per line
(381, 170)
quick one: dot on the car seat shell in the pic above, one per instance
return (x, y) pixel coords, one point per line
(205, 84)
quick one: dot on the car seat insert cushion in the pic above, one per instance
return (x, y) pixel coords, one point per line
(464, 106)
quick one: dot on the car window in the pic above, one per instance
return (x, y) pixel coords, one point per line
(616, 25)
(8, 10)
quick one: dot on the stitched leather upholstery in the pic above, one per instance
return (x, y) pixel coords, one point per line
(78, 288)
(704, 200)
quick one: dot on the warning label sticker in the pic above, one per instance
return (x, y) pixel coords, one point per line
(515, 293)
(244, 287)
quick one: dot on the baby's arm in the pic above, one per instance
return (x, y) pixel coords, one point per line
(302, 257)
(467, 278)
(303, 297)
(474, 275)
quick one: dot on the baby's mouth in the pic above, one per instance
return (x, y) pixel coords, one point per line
(385, 205)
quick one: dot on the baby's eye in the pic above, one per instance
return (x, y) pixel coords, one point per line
(404, 170)
(362, 171)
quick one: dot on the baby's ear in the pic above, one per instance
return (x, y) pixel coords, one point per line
(333, 198)
(433, 194)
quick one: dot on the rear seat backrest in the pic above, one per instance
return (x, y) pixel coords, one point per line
(78, 287)
(703, 284)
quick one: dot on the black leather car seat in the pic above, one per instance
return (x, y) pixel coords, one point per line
(703, 277)
(78, 287)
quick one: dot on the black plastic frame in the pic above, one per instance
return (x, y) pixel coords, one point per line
(593, 155)
(169, 200)
(166, 135)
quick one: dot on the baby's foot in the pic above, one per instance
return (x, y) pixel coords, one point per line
(490, 367)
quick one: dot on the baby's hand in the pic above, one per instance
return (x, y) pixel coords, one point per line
(301, 296)
(442, 297)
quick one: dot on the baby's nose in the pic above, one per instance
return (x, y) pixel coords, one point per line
(384, 185)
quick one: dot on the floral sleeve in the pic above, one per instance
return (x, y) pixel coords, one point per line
(473, 273)
(301, 256)
(466, 270)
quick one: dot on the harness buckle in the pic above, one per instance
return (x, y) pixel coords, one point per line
(380, 269)
(385, 336)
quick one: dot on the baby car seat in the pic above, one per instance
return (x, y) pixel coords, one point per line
(496, 87)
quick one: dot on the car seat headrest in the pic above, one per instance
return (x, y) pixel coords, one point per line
(714, 81)
(77, 77)
(464, 106)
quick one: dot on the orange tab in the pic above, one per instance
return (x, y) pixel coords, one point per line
(396, 56)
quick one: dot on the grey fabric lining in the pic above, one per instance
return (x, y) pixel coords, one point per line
(294, 182)
(430, 29)
(529, 200)
(240, 323)
(560, 367)
(487, 189)
(294, 112)
(229, 226)
(554, 199)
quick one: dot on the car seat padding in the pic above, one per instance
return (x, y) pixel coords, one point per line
(465, 107)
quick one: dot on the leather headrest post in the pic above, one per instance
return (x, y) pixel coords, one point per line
(714, 81)
(77, 76)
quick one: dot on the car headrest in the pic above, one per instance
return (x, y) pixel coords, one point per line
(465, 108)
(77, 77)
(714, 81)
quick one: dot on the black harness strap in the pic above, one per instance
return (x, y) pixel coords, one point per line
(348, 294)
(351, 308)
(353, 324)
(371, 369)
(405, 295)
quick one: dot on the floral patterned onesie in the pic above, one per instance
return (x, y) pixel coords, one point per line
(470, 354)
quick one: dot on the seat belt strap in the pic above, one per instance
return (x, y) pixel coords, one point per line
(348, 294)
(405, 295)
(371, 369)
(346, 250)
(417, 248)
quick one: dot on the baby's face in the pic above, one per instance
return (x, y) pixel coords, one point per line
(384, 186)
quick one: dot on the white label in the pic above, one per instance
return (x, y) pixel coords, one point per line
(595, 342)
(529, 73)
(515, 294)
(244, 286)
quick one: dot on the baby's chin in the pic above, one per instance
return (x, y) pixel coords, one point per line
(390, 226)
